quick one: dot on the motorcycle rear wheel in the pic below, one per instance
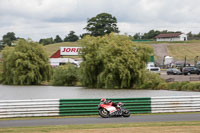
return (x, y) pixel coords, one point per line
(126, 113)
(103, 113)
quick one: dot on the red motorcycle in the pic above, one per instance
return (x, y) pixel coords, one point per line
(107, 110)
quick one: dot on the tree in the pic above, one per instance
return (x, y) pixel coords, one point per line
(65, 75)
(151, 34)
(71, 37)
(9, 38)
(57, 39)
(113, 61)
(190, 35)
(46, 41)
(83, 35)
(102, 24)
(136, 36)
(25, 64)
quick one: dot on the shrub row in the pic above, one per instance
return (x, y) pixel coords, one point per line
(67, 75)
(154, 81)
(190, 86)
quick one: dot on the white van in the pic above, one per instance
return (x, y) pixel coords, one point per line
(151, 67)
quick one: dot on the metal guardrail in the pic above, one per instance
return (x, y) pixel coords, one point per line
(90, 106)
(66, 107)
(29, 108)
(175, 104)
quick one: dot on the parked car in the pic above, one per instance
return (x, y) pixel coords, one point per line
(191, 70)
(152, 68)
(173, 71)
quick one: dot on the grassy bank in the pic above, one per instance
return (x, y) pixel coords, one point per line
(179, 51)
(158, 42)
(150, 127)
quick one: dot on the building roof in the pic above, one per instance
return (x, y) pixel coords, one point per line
(168, 35)
(56, 54)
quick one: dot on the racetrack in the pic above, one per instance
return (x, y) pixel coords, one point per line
(98, 120)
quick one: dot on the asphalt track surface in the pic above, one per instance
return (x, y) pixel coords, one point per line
(99, 120)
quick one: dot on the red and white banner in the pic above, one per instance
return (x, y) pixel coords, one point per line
(69, 50)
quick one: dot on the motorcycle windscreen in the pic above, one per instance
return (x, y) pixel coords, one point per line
(111, 109)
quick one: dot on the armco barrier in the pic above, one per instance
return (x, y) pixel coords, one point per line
(90, 106)
(175, 104)
(29, 108)
(65, 107)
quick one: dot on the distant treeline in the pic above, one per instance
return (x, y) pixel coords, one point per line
(10, 38)
(71, 37)
(193, 36)
(153, 33)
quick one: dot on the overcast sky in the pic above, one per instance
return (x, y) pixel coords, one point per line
(38, 19)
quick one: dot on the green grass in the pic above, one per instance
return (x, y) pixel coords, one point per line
(158, 42)
(190, 50)
(1, 66)
(63, 128)
(180, 49)
(52, 48)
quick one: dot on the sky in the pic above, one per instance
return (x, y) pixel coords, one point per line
(38, 19)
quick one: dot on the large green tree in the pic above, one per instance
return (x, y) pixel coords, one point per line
(71, 37)
(46, 41)
(57, 39)
(25, 64)
(9, 38)
(103, 23)
(113, 61)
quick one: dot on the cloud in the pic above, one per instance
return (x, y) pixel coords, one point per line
(37, 9)
(42, 18)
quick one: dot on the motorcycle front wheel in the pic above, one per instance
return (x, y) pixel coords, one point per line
(126, 113)
(103, 113)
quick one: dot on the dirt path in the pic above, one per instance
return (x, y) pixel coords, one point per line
(161, 50)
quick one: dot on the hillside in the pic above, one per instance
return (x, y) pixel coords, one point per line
(190, 49)
(52, 48)
(177, 50)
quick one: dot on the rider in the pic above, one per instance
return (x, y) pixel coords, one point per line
(104, 101)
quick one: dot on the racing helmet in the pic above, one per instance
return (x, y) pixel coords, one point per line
(120, 104)
(103, 99)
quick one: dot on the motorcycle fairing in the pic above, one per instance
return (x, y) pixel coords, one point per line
(110, 108)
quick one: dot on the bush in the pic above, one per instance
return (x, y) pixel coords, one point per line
(65, 75)
(152, 81)
(163, 86)
(189, 86)
(1, 78)
(176, 85)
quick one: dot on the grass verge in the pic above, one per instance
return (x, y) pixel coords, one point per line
(80, 128)
(60, 117)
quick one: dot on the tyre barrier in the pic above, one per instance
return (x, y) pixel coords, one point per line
(72, 107)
